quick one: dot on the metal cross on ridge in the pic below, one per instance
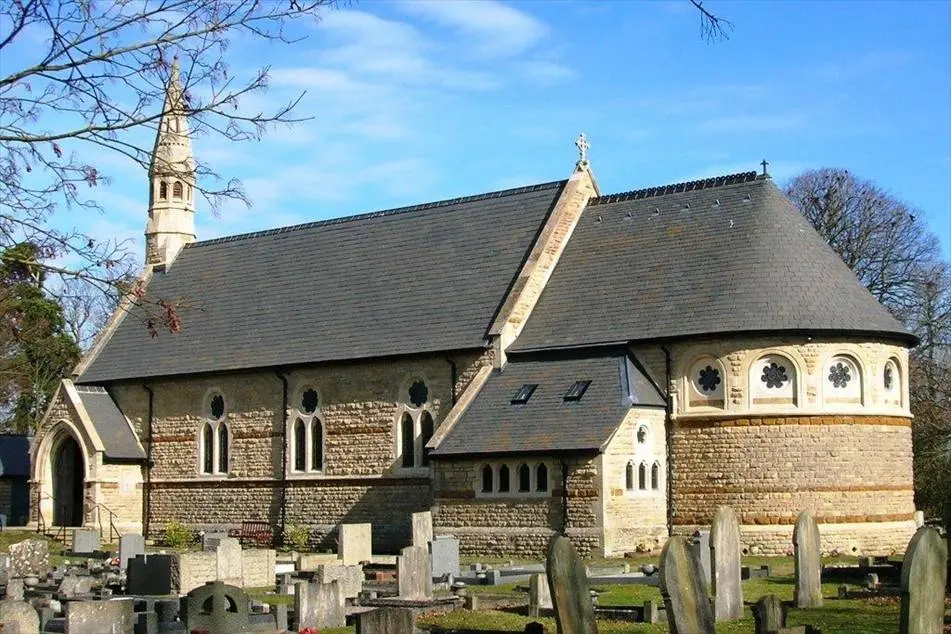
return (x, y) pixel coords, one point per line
(582, 144)
(764, 164)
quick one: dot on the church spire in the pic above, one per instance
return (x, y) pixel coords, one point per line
(171, 223)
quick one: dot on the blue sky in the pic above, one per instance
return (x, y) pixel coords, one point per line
(419, 101)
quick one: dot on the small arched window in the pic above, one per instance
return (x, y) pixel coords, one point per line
(773, 381)
(642, 435)
(487, 478)
(177, 189)
(541, 477)
(504, 483)
(655, 476)
(316, 445)
(189, 192)
(427, 435)
(223, 449)
(407, 441)
(629, 476)
(892, 382)
(642, 476)
(524, 478)
(208, 449)
(705, 383)
(163, 190)
(843, 381)
(300, 445)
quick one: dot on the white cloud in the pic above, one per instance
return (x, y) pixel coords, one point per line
(493, 29)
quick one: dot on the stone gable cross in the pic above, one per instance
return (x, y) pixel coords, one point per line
(582, 145)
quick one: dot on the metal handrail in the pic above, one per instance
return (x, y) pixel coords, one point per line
(112, 524)
(59, 535)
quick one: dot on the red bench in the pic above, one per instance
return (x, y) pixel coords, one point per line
(255, 532)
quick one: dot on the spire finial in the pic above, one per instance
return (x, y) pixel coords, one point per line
(582, 144)
(764, 163)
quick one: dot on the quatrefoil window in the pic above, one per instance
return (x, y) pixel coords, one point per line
(309, 401)
(418, 394)
(774, 375)
(840, 375)
(217, 406)
(709, 378)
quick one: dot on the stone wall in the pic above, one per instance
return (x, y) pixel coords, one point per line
(635, 519)
(362, 479)
(517, 524)
(768, 468)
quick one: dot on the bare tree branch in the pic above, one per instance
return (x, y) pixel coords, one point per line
(712, 27)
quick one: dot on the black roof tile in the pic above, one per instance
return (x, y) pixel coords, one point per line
(740, 259)
(405, 281)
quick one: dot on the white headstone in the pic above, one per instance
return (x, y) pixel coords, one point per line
(355, 545)
(130, 546)
(422, 529)
(725, 565)
(319, 605)
(413, 573)
(230, 560)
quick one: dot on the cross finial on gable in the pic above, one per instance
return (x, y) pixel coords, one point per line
(582, 144)
(764, 164)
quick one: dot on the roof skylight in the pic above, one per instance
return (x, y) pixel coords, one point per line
(524, 393)
(577, 390)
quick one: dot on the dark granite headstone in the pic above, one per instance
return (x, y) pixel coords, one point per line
(150, 574)
(216, 607)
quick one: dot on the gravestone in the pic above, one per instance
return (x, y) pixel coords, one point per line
(444, 552)
(725, 565)
(355, 543)
(150, 575)
(258, 567)
(422, 529)
(216, 607)
(14, 589)
(387, 621)
(539, 595)
(414, 574)
(701, 546)
(350, 578)
(85, 541)
(319, 605)
(130, 546)
(210, 541)
(568, 585)
(808, 592)
(115, 616)
(769, 615)
(683, 589)
(74, 586)
(947, 535)
(230, 570)
(29, 558)
(18, 617)
(923, 579)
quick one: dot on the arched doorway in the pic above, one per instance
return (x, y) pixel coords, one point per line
(68, 483)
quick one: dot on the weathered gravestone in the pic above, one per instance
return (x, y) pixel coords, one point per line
(216, 607)
(15, 589)
(725, 565)
(130, 546)
(923, 578)
(210, 541)
(29, 558)
(683, 589)
(808, 592)
(568, 585)
(414, 574)
(701, 547)
(319, 605)
(18, 617)
(75, 586)
(350, 578)
(539, 595)
(387, 621)
(85, 541)
(355, 543)
(422, 529)
(150, 574)
(947, 535)
(444, 552)
(229, 562)
(115, 616)
(769, 615)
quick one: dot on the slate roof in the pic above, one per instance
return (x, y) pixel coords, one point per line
(404, 281)
(547, 423)
(14, 456)
(117, 437)
(720, 256)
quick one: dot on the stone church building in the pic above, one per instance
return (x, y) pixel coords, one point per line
(544, 359)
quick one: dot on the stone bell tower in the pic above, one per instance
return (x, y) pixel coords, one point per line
(172, 192)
